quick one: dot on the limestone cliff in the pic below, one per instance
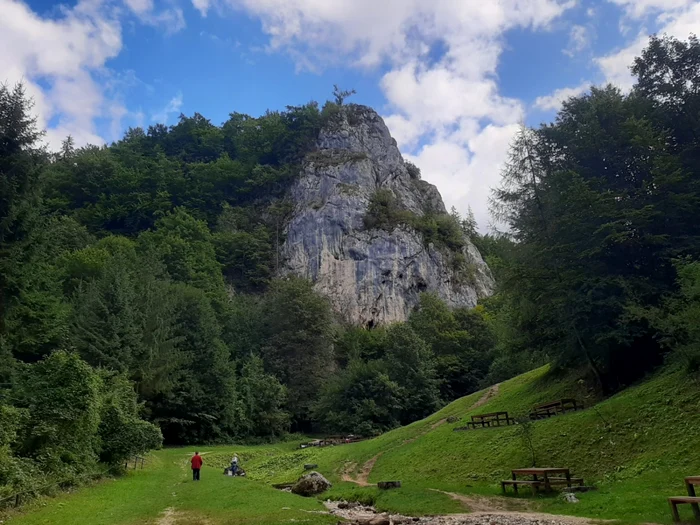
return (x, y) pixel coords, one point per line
(371, 276)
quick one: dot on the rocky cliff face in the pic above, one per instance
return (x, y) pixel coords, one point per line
(371, 276)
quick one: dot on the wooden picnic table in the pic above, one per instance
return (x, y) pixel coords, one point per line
(536, 473)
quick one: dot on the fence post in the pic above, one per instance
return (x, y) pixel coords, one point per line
(17, 500)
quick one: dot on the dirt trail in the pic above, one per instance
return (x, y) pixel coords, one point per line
(491, 392)
(363, 476)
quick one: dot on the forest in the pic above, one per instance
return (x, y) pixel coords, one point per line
(141, 300)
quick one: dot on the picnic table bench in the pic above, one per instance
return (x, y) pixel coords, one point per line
(493, 419)
(540, 477)
(554, 408)
(691, 499)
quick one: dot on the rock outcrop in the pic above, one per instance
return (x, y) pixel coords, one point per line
(311, 484)
(371, 276)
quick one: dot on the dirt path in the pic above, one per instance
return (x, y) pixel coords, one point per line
(363, 476)
(491, 392)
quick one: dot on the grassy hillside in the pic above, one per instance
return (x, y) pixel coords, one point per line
(636, 447)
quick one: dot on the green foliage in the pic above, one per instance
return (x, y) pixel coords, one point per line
(461, 340)
(341, 94)
(600, 204)
(122, 434)
(262, 400)
(298, 342)
(384, 212)
(677, 318)
(362, 399)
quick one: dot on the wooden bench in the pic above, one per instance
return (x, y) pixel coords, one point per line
(564, 481)
(691, 499)
(534, 485)
(694, 501)
(554, 408)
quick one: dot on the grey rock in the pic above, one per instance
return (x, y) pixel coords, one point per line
(569, 497)
(311, 484)
(371, 277)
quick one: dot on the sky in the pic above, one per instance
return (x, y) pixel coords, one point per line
(453, 79)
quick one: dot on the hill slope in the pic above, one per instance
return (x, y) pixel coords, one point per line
(636, 447)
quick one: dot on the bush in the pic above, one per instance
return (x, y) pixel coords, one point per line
(385, 213)
(413, 170)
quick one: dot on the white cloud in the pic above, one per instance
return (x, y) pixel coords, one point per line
(140, 6)
(677, 18)
(171, 19)
(64, 55)
(202, 6)
(554, 100)
(451, 109)
(465, 168)
(579, 40)
(61, 60)
(641, 8)
(173, 106)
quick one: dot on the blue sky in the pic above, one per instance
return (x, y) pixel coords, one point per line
(453, 78)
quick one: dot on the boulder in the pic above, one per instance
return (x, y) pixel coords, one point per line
(311, 484)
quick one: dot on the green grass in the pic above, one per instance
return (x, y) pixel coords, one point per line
(636, 447)
(144, 495)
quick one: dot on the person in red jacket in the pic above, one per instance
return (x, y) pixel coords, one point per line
(196, 466)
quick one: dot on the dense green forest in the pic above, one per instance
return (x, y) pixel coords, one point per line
(140, 297)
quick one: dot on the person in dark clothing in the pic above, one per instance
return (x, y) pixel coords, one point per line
(196, 462)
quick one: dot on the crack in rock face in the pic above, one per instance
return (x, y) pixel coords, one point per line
(371, 277)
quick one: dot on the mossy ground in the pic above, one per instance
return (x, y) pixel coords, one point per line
(636, 447)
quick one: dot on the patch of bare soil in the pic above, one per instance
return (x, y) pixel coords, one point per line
(170, 516)
(363, 476)
(491, 392)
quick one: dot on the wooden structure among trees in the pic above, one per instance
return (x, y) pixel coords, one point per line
(691, 499)
(540, 477)
(555, 408)
(493, 419)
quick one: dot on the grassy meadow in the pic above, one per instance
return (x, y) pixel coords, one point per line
(636, 447)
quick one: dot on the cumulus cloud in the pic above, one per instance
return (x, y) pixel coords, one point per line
(63, 54)
(554, 100)
(447, 115)
(61, 60)
(678, 18)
